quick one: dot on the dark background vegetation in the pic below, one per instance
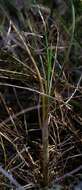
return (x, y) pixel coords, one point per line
(44, 36)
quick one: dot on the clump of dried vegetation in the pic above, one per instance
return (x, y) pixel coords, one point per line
(40, 98)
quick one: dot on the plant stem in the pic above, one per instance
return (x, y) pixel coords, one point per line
(44, 114)
(45, 143)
